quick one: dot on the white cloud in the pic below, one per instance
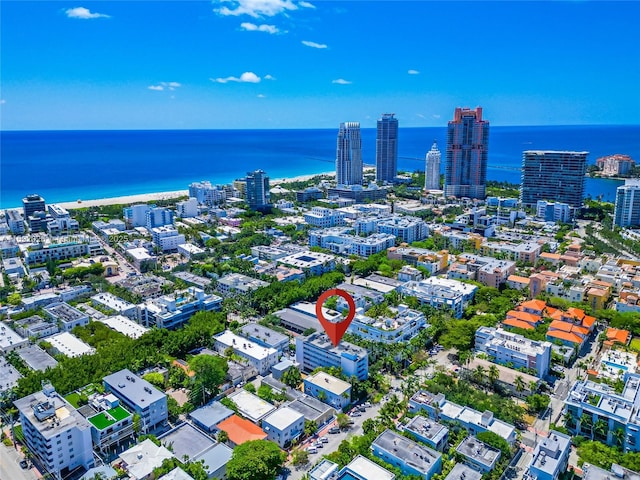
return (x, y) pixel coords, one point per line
(83, 13)
(3, 101)
(435, 115)
(420, 115)
(256, 8)
(252, 27)
(269, 77)
(342, 81)
(261, 95)
(413, 72)
(313, 44)
(306, 5)
(246, 77)
(162, 85)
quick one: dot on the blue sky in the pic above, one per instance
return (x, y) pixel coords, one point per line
(295, 64)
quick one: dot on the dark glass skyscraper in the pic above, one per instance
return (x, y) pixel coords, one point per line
(257, 192)
(349, 154)
(556, 176)
(467, 148)
(387, 148)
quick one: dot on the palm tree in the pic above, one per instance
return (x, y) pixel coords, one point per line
(478, 374)
(494, 374)
(601, 428)
(569, 419)
(519, 384)
(619, 436)
(586, 423)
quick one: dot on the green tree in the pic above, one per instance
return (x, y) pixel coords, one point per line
(343, 420)
(223, 436)
(156, 379)
(300, 458)
(493, 374)
(292, 377)
(14, 299)
(255, 460)
(310, 427)
(496, 441)
(537, 403)
(519, 384)
(210, 372)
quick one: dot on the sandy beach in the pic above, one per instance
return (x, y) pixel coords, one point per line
(149, 197)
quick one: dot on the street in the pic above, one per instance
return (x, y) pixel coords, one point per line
(10, 465)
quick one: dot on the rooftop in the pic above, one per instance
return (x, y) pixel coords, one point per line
(244, 346)
(36, 358)
(251, 406)
(186, 440)
(462, 472)
(478, 451)
(212, 414)
(143, 458)
(426, 427)
(283, 418)
(125, 326)
(240, 430)
(109, 417)
(70, 345)
(548, 454)
(329, 383)
(265, 334)
(417, 456)
(368, 470)
(137, 390)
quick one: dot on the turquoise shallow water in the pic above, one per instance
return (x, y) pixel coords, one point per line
(67, 165)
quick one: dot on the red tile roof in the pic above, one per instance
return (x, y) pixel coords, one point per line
(240, 430)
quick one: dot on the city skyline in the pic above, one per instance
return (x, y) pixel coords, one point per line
(281, 63)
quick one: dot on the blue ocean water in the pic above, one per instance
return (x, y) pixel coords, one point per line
(70, 165)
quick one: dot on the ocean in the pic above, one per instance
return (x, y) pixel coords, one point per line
(69, 165)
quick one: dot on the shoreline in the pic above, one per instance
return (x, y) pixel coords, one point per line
(149, 197)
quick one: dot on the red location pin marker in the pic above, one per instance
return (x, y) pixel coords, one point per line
(335, 331)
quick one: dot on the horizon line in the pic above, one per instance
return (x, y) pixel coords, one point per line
(297, 128)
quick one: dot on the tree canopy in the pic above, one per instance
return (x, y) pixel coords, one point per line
(255, 460)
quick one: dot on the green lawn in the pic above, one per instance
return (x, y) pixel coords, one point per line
(73, 398)
(103, 420)
(635, 344)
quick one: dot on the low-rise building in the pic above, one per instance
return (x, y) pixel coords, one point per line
(405, 229)
(486, 270)
(10, 340)
(410, 457)
(115, 304)
(428, 431)
(50, 249)
(69, 345)
(139, 396)
(55, 432)
(110, 423)
(550, 457)
(173, 311)
(239, 430)
(167, 238)
(262, 358)
(361, 468)
(321, 217)
(478, 455)
(142, 459)
(402, 326)
(460, 471)
(311, 263)
(440, 409)
(236, 283)
(316, 350)
(35, 327)
(340, 242)
(124, 325)
(313, 409)
(591, 472)
(265, 336)
(441, 293)
(434, 262)
(283, 426)
(142, 259)
(328, 389)
(66, 316)
(251, 406)
(208, 417)
(509, 348)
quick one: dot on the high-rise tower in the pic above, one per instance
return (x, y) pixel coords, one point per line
(467, 147)
(556, 176)
(257, 192)
(432, 168)
(349, 154)
(387, 148)
(627, 211)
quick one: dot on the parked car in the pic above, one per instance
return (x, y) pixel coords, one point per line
(356, 414)
(324, 439)
(318, 445)
(312, 450)
(23, 463)
(334, 430)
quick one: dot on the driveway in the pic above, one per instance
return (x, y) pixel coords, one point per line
(10, 465)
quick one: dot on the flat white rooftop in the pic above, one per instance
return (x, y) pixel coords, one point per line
(251, 406)
(9, 339)
(369, 470)
(329, 383)
(283, 418)
(125, 326)
(69, 345)
(247, 347)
